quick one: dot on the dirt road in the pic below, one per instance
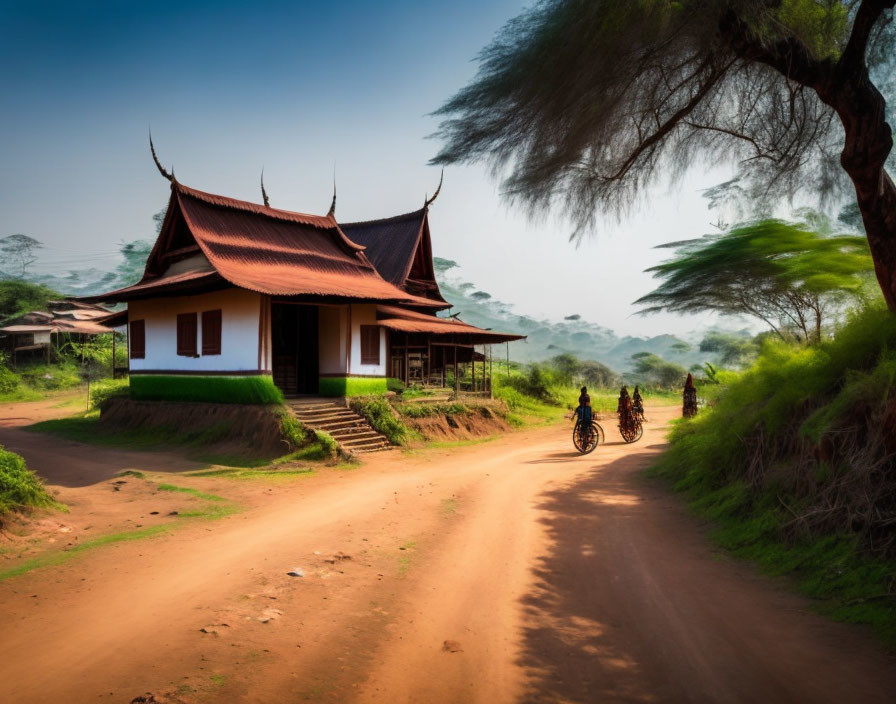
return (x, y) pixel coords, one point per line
(513, 570)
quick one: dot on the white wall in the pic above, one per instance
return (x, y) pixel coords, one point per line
(332, 331)
(365, 314)
(239, 331)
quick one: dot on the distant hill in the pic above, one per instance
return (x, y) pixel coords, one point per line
(548, 338)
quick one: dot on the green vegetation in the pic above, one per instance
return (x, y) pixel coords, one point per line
(651, 104)
(795, 277)
(658, 371)
(379, 413)
(102, 391)
(33, 381)
(210, 389)
(353, 385)
(791, 467)
(426, 410)
(18, 297)
(20, 488)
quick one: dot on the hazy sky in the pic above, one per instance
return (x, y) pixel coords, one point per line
(297, 88)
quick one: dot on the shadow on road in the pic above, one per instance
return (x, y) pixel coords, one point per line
(573, 648)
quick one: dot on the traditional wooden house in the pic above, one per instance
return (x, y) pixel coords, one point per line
(267, 296)
(35, 334)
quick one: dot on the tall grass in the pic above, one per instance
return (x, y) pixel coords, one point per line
(794, 467)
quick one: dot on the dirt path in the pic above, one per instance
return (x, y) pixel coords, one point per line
(513, 570)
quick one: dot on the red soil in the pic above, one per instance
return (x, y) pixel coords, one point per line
(504, 571)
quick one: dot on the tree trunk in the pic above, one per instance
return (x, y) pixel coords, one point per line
(861, 109)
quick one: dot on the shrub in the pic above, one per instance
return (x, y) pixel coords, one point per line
(378, 411)
(327, 443)
(9, 381)
(292, 429)
(20, 488)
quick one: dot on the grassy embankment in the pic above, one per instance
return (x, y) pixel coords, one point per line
(534, 395)
(794, 468)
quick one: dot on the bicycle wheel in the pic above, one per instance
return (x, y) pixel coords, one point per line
(631, 433)
(585, 438)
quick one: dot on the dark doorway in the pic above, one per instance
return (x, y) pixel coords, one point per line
(294, 348)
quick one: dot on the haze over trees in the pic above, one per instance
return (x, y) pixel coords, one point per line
(19, 253)
(583, 103)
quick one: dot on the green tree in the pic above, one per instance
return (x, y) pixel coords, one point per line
(567, 367)
(598, 375)
(19, 251)
(787, 275)
(18, 297)
(657, 370)
(730, 349)
(587, 102)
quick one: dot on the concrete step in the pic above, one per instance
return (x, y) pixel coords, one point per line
(331, 425)
(354, 438)
(367, 447)
(351, 431)
(322, 418)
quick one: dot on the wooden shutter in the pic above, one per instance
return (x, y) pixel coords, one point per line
(211, 332)
(186, 334)
(370, 344)
(138, 339)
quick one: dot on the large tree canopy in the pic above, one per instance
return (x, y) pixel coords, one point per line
(786, 274)
(588, 101)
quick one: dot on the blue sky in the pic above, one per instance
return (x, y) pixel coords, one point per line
(297, 88)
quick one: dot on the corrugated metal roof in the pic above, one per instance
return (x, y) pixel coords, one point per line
(390, 243)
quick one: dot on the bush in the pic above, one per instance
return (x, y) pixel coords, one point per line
(378, 412)
(292, 429)
(51, 377)
(9, 381)
(20, 488)
(792, 465)
(327, 443)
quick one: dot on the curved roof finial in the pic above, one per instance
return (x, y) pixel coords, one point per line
(169, 176)
(264, 193)
(429, 201)
(332, 211)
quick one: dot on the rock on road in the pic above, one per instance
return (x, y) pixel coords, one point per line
(508, 571)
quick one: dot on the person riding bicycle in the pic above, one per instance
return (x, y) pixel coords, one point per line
(638, 403)
(583, 412)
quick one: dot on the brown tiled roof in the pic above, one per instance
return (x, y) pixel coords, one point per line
(400, 319)
(263, 249)
(390, 243)
(184, 282)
